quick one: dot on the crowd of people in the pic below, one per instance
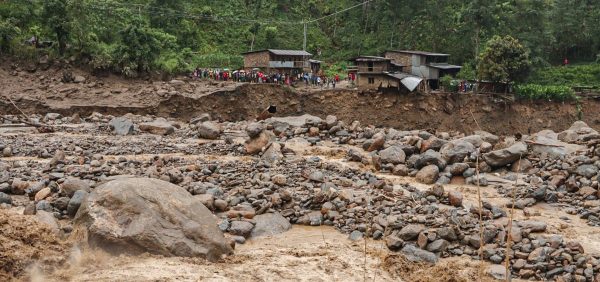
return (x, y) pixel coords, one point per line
(258, 76)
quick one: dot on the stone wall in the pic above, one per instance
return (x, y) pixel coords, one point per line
(256, 60)
(401, 58)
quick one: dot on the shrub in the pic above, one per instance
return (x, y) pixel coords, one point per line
(449, 83)
(545, 92)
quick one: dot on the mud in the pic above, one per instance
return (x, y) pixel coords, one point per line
(23, 241)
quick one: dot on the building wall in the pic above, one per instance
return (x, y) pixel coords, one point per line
(362, 81)
(256, 60)
(401, 58)
(378, 67)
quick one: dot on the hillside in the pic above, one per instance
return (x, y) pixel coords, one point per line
(173, 36)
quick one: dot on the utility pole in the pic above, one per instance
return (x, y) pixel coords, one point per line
(304, 43)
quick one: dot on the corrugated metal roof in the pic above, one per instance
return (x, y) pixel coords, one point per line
(289, 52)
(444, 66)
(370, 58)
(282, 52)
(400, 75)
(423, 53)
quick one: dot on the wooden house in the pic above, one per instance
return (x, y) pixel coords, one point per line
(374, 72)
(428, 65)
(289, 62)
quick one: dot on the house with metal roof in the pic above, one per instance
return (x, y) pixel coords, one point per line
(427, 65)
(289, 62)
(373, 72)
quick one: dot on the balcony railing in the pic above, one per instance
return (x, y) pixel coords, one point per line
(289, 64)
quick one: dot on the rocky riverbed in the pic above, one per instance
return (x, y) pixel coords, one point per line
(135, 184)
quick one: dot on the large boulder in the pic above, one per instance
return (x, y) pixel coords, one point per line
(138, 215)
(121, 126)
(159, 127)
(579, 131)
(209, 130)
(506, 156)
(456, 151)
(428, 174)
(71, 185)
(433, 143)
(546, 144)
(270, 224)
(430, 157)
(393, 155)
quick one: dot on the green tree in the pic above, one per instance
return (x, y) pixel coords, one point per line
(140, 46)
(504, 59)
(55, 16)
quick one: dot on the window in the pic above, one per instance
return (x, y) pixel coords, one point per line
(370, 67)
(371, 80)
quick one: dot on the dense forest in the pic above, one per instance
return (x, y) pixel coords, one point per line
(175, 35)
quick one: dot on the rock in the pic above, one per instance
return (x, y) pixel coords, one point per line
(121, 126)
(393, 242)
(52, 116)
(71, 185)
(587, 170)
(487, 137)
(393, 154)
(79, 79)
(7, 152)
(506, 156)
(428, 174)
(5, 198)
(415, 254)
(547, 145)
(256, 145)
(430, 157)
(533, 225)
(279, 179)
(48, 219)
(209, 130)
(439, 245)
(433, 143)
(42, 194)
(149, 215)
(18, 186)
(159, 127)
(241, 228)
(378, 141)
(316, 175)
(355, 235)
(522, 165)
(221, 205)
(496, 271)
(577, 132)
(207, 200)
(75, 202)
(254, 129)
(273, 153)
(268, 224)
(331, 121)
(410, 232)
(457, 168)
(201, 118)
(455, 198)
(456, 151)
(538, 255)
(400, 170)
